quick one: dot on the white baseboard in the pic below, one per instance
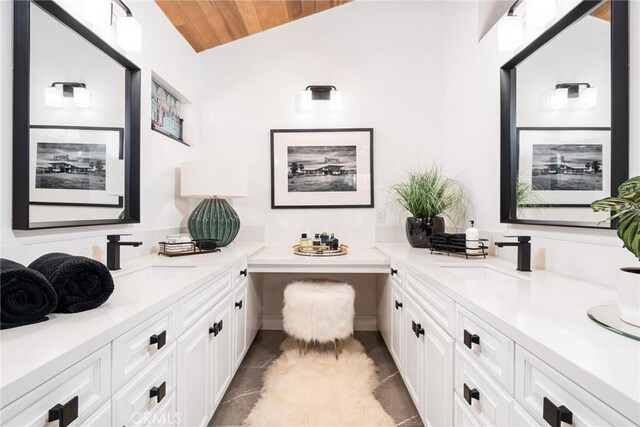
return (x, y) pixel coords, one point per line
(362, 322)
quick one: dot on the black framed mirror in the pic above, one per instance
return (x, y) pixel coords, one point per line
(565, 119)
(76, 124)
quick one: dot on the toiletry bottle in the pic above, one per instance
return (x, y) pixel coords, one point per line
(316, 241)
(472, 237)
(304, 241)
(334, 242)
(324, 238)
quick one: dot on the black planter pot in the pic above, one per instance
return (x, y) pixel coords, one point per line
(420, 230)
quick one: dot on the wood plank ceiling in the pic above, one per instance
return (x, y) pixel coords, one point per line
(210, 23)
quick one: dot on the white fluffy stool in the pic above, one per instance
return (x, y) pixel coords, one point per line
(319, 311)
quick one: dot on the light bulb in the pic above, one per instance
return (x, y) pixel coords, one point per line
(510, 33)
(335, 100)
(97, 12)
(81, 97)
(539, 12)
(129, 34)
(558, 98)
(587, 97)
(53, 96)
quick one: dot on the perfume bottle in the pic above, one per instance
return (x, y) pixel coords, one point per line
(324, 238)
(335, 244)
(316, 241)
(304, 241)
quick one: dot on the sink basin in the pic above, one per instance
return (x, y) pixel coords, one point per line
(156, 272)
(481, 273)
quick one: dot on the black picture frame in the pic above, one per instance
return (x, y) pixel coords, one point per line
(371, 203)
(619, 110)
(22, 125)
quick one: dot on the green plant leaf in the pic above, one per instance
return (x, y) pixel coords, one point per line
(609, 204)
(630, 189)
(629, 231)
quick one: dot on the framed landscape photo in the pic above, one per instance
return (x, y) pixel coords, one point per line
(71, 166)
(565, 167)
(322, 168)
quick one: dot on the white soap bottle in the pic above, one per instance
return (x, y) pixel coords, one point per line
(472, 237)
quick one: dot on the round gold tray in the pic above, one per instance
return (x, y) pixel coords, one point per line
(320, 252)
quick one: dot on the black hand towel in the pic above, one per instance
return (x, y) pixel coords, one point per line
(26, 296)
(81, 283)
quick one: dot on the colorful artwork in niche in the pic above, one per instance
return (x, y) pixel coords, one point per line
(165, 112)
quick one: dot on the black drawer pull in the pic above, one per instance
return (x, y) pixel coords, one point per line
(394, 271)
(158, 392)
(239, 305)
(555, 415)
(64, 414)
(216, 328)
(159, 339)
(470, 394)
(243, 272)
(417, 329)
(470, 339)
(398, 305)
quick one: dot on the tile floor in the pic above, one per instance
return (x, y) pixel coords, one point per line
(244, 390)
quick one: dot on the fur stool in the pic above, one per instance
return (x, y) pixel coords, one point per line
(319, 312)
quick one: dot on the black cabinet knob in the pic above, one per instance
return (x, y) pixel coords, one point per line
(417, 329)
(216, 328)
(394, 271)
(398, 305)
(470, 393)
(243, 272)
(159, 339)
(470, 339)
(239, 304)
(65, 414)
(158, 392)
(555, 415)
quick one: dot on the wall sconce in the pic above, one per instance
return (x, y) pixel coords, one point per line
(510, 30)
(321, 93)
(586, 94)
(128, 30)
(54, 94)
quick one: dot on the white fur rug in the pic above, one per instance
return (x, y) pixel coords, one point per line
(317, 390)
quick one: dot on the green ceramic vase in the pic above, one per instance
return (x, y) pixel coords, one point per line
(214, 219)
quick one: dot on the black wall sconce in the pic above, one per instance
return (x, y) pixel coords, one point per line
(54, 94)
(586, 95)
(320, 93)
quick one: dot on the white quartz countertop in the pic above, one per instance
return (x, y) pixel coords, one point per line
(30, 355)
(546, 314)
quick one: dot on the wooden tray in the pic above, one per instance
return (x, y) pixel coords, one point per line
(297, 250)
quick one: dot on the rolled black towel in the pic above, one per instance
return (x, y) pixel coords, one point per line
(81, 283)
(26, 296)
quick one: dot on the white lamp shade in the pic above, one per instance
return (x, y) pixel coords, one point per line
(305, 100)
(335, 100)
(540, 12)
(53, 96)
(129, 34)
(115, 177)
(587, 97)
(97, 12)
(213, 179)
(82, 97)
(558, 98)
(510, 33)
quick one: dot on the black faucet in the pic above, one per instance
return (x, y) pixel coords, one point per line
(524, 251)
(113, 250)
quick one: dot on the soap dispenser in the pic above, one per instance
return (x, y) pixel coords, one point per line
(472, 237)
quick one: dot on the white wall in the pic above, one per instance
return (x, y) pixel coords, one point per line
(385, 57)
(165, 52)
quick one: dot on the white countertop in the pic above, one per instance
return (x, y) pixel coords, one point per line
(546, 314)
(29, 355)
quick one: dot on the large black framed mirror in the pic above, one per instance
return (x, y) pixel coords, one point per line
(565, 119)
(76, 123)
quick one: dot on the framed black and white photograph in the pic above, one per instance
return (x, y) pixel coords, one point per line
(565, 167)
(74, 166)
(322, 168)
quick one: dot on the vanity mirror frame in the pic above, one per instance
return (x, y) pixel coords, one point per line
(22, 125)
(619, 109)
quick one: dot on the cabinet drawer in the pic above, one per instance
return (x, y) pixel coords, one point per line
(198, 303)
(487, 400)
(240, 273)
(88, 381)
(134, 350)
(462, 414)
(536, 381)
(100, 418)
(492, 350)
(142, 398)
(396, 272)
(439, 306)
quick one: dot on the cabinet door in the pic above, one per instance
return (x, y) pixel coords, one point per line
(397, 326)
(437, 388)
(220, 350)
(193, 374)
(413, 350)
(254, 306)
(240, 310)
(384, 284)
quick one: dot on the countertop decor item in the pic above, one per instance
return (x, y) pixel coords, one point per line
(625, 210)
(193, 247)
(214, 218)
(320, 252)
(428, 195)
(608, 316)
(457, 244)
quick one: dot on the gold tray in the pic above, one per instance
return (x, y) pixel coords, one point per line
(297, 250)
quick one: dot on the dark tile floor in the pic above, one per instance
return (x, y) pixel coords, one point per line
(245, 387)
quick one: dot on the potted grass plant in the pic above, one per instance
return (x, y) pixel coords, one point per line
(429, 196)
(625, 209)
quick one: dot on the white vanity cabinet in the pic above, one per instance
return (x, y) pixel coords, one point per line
(240, 309)
(390, 309)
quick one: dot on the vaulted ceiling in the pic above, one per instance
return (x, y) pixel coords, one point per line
(210, 23)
